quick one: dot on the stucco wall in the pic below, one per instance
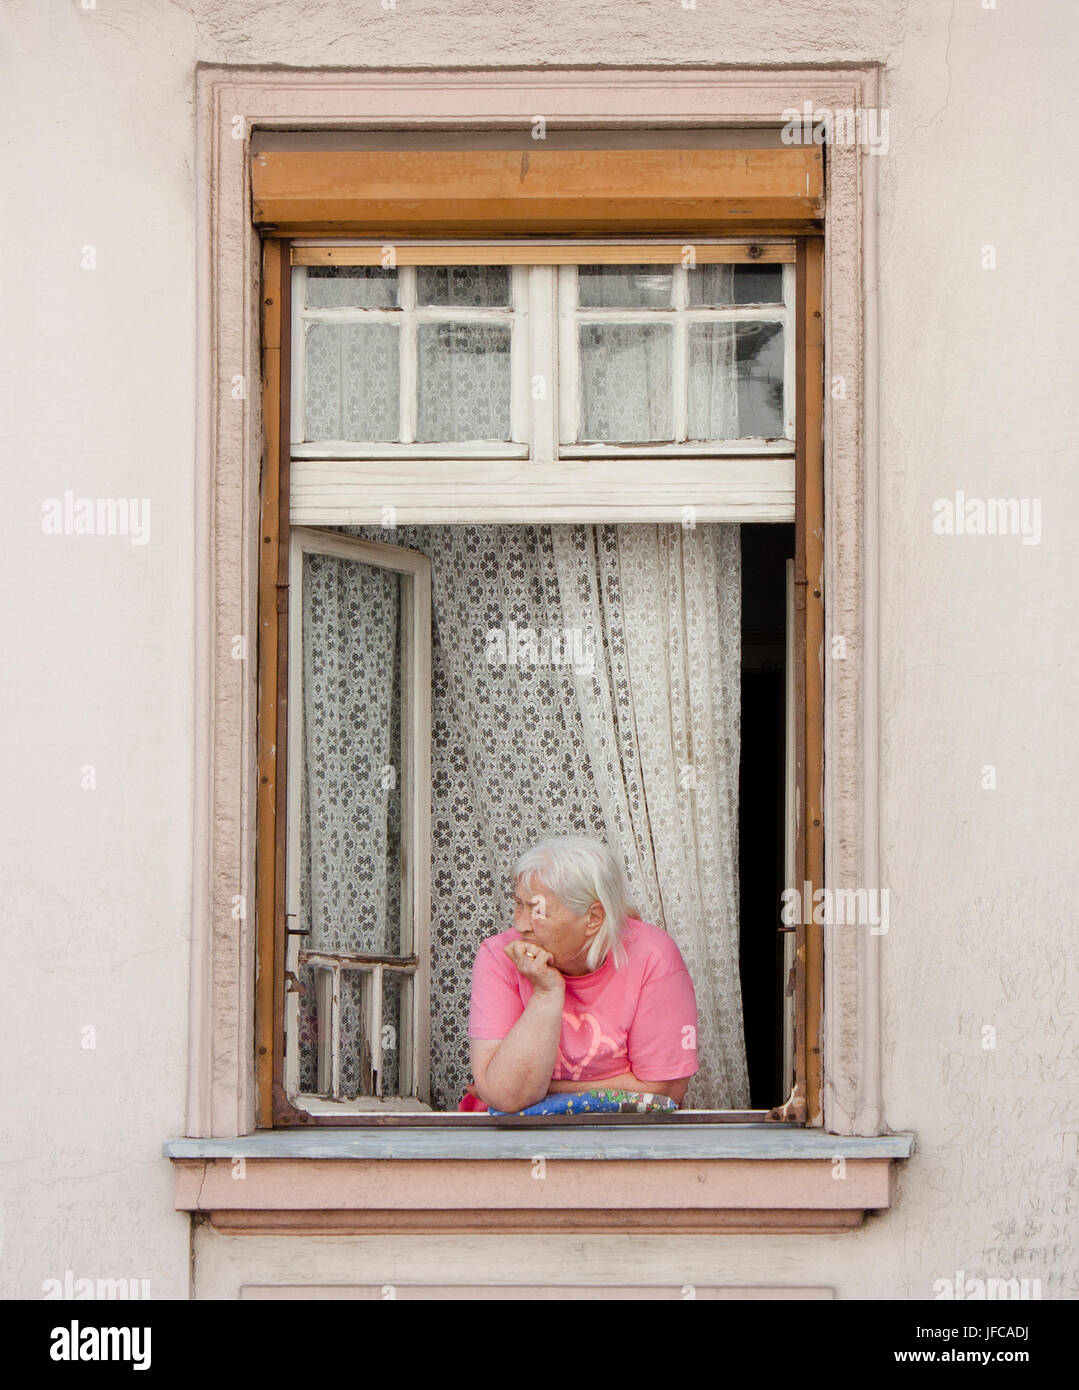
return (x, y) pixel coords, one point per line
(979, 646)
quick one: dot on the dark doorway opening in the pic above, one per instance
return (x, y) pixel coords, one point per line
(765, 550)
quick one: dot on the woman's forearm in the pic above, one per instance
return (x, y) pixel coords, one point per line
(627, 1081)
(519, 1073)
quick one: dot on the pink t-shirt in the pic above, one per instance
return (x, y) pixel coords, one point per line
(641, 1018)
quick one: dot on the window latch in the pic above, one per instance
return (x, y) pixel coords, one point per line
(295, 931)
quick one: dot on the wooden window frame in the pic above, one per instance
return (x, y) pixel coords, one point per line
(279, 512)
(398, 194)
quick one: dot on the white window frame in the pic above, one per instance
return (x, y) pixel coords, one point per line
(339, 483)
(543, 315)
(414, 957)
(680, 315)
(407, 317)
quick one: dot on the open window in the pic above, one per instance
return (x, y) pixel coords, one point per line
(357, 965)
(633, 679)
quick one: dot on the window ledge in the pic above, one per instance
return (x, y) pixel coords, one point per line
(708, 1179)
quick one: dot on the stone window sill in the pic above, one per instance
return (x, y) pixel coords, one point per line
(698, 1179)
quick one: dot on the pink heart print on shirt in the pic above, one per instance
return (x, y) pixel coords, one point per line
(597, 1039)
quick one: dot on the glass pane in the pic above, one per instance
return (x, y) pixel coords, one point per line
(624, 286)
(350, 833)
(735, 380)
(625, 382)
(359, 1074)
(469, 286)
(726, 285)
(351, 382)
(463, 381)
(355, 1045)
(308, 1028)
(393, 993)
(351, 287)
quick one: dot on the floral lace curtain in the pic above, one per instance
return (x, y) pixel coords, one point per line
(661, 717)
(586, 680)
(350, 838)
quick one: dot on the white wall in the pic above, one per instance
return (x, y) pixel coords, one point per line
(980, 653)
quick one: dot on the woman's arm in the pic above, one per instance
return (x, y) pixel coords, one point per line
(515, 1071)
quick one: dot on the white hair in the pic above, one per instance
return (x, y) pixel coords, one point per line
(580, 872)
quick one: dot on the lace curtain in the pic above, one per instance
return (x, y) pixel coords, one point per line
(661, 715)
(350, 838)
(585, 679)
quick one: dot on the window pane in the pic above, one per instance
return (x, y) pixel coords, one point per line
(625, 382)
(351, 791)
(624, 287)
(392, 1023)
(355, 1045)
(725, 285)
(735, 380)
(352, 382)
(463, 381)
(358, 1076)
(308, 1027)
(471, 286)
(351, 287)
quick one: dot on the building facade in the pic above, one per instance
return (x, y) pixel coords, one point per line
(933, 1137)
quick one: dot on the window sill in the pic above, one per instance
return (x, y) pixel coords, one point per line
(700, 1179)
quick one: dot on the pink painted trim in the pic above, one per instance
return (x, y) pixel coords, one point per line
(463, 1184)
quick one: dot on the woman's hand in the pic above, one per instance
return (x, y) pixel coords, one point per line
(533, 962)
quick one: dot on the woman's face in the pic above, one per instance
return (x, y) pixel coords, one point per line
(540, 917)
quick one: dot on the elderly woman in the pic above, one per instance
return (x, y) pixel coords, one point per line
(579, 993)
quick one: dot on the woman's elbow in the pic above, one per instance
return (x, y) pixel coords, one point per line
(500, 1095)
(677, 1090)
(510, 1101)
